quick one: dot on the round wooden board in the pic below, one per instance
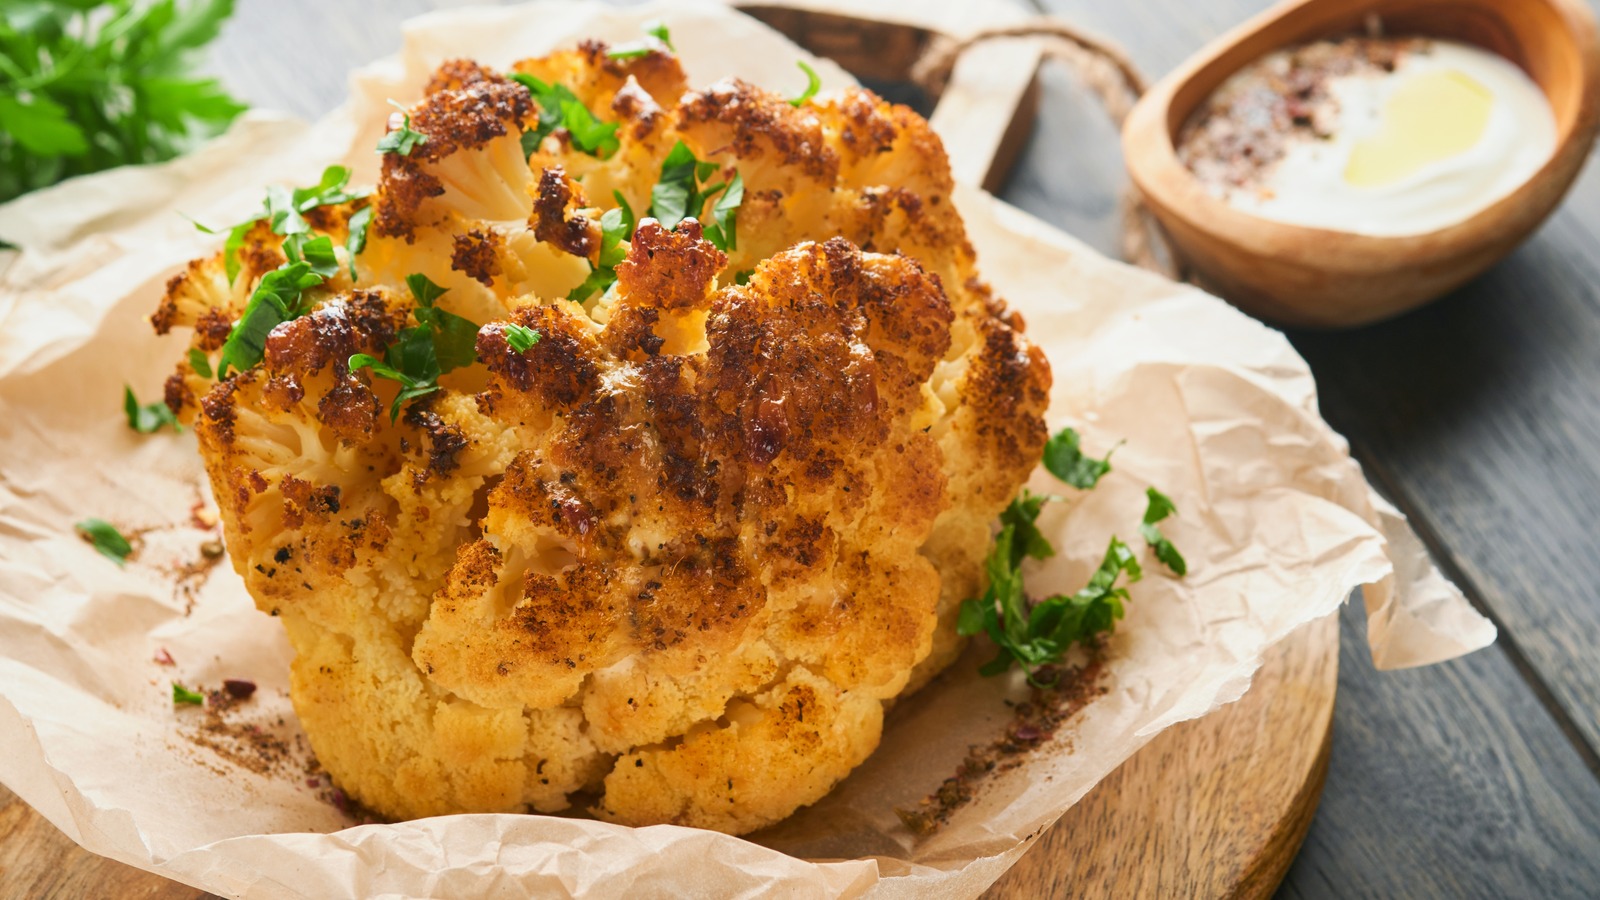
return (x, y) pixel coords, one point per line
(1209, 809)
(1214, 808)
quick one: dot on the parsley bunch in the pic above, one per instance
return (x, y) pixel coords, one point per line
(1038, 634)
(440, 342)
(88, 86)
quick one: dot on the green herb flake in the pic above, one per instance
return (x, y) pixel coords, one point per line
(276, 299)
(148, 418)
(356, 240)
(657, 30)
(616, 226)
(182, 696)
(680, 193)
(1066, 461)
(813, 84)
(520, 337)
(559, 107)
(1159, 507)
(105, 537)
(440, 342)
(423, 288)
(402, 140)
(199, 362)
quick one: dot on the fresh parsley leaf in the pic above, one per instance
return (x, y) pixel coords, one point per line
(148, 418)
(743, 276)
(1028, 540)
(232, 246)
(410, 387)
(402, 140)
(199, 363)
(559, 107)
(674, 191)
(657, 30)
(813, 84)
(1066, 461)
(87, 86)
(423, 288)
(724, 230)
(105, 538)
(182, 696)
(616, 226)
(276, 299)
(356, 240)
(520, 337)
(1159, 507)
(680, 193)
(316, 253)
(440, 342)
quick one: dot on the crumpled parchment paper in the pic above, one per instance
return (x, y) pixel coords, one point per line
(1278, 524)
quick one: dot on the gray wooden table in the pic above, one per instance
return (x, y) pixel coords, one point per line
(1479, 416)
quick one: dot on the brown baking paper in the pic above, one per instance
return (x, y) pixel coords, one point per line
(1278, 524)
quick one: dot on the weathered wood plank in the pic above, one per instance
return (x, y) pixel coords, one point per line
(1482, 413)
(37, 860)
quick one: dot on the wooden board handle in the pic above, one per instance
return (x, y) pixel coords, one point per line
(986, 110)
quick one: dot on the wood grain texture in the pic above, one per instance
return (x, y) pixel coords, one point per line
(1211, 808)
(37, 860)
(1482, 413)
(1481, 416)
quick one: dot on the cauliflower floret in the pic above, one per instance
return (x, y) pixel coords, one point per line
(667, 553)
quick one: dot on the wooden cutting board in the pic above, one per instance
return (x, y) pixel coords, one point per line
(1214, 808)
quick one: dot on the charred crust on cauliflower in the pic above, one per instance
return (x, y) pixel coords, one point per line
(751, 123)
(672, 558)
(674, 269)
(553, 214)
(476, 254)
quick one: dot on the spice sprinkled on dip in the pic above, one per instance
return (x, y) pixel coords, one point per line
(1372, 135)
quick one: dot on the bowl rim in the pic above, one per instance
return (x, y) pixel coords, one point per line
(1168, 185)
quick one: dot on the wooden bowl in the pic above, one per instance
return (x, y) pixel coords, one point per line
(1317, 277)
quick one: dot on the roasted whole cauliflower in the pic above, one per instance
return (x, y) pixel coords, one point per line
(690, 503)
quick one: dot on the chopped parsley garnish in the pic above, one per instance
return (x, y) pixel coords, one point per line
(616, 226)
(520, 337)
(148, 418)
(182, 696)
(1159, 507)
(282, 210)
(199, 363)
(276, 299)
(105, 537)
(657, 30)
(813, 84)
(561, 108)
(440, 342)
(1039, 634)
(681, 193)
(402, 140)
(356, 240)
(1066, 461)
(743, 276)
(311, 261)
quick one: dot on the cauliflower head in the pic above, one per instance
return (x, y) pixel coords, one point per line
(664, 549)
